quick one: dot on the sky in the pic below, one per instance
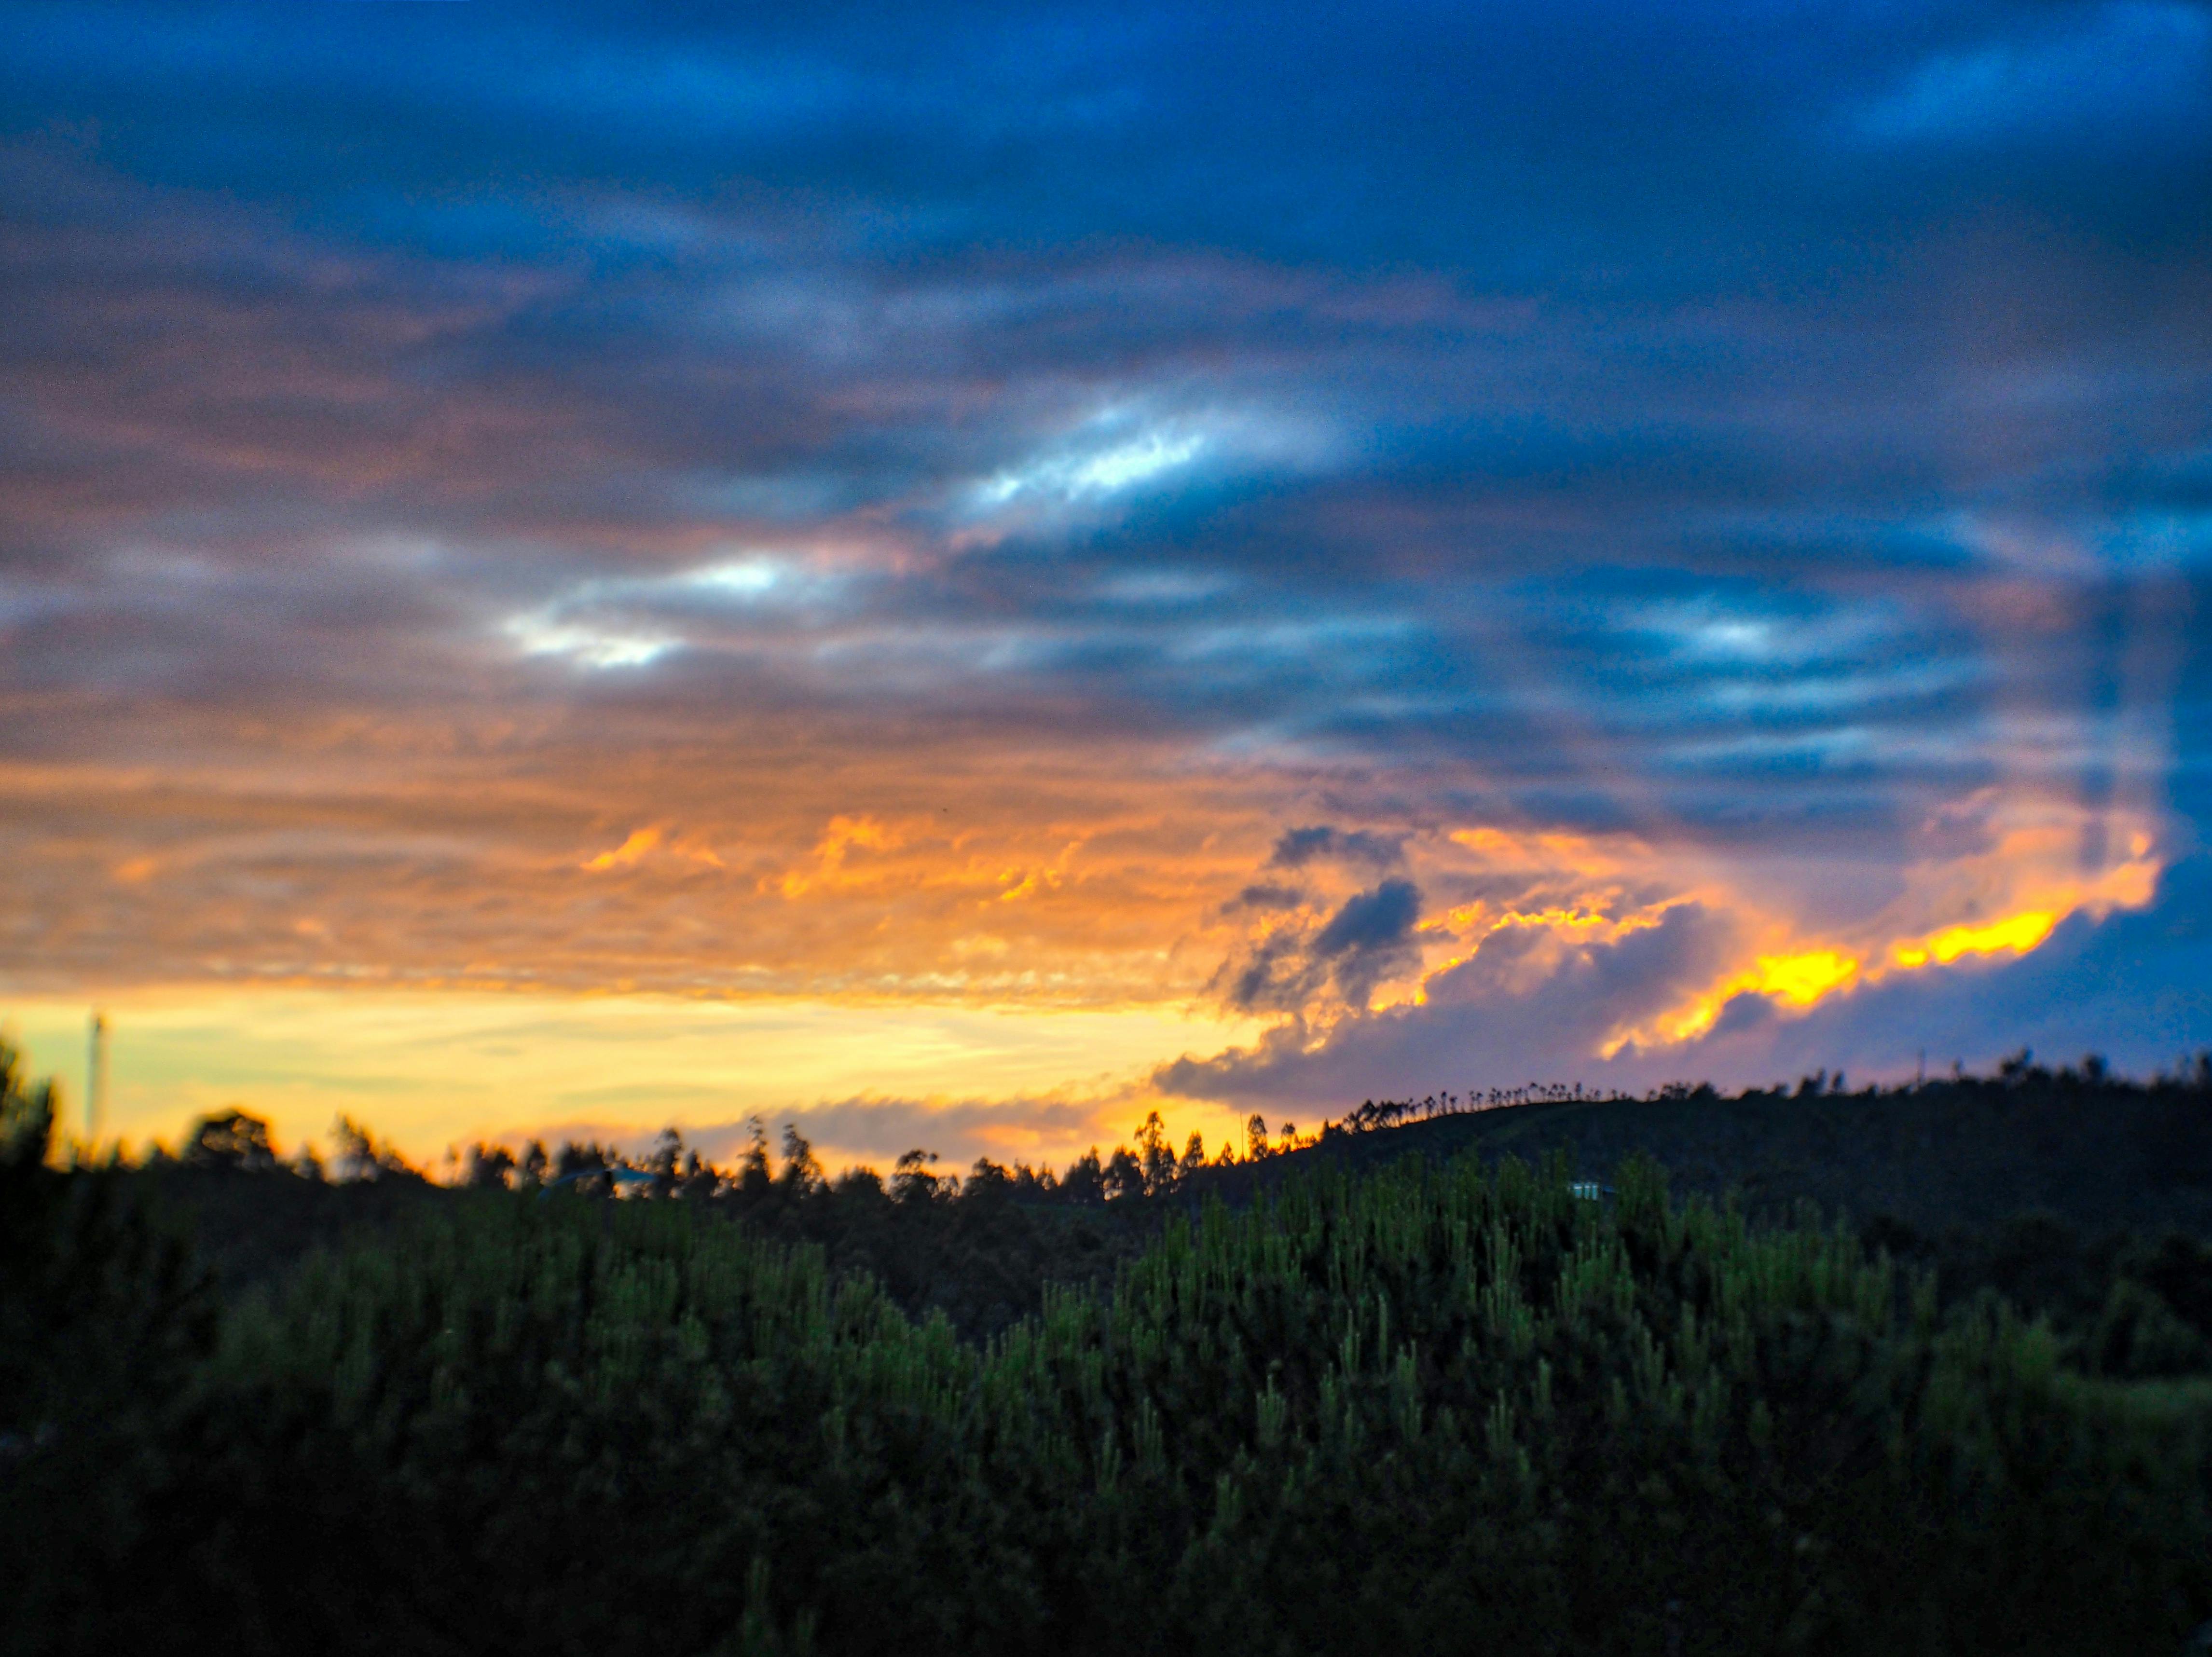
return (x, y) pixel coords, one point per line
(955, 574)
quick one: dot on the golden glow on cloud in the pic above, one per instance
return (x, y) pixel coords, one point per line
(829, 871)
(2019, 933)
(2024, 876)
(626, 854)
(1575, 889)
(2021, 874)
(1801, 980)
(904, 928)
(1480, 918)
(1470, 923)
(1798, 980)
(399, 627)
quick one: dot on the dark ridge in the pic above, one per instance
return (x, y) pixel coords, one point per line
(1965, 1152)
(2075, 1169)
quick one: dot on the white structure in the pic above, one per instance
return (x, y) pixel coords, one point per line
(95, 1079)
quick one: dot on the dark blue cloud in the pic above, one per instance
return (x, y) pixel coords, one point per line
(1265, 897)
(1752, 429)
(1368, 939)
(1381, 919)
(1299, 846)
(1522, 143)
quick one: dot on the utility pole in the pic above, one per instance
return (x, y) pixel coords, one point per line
(95, 1079)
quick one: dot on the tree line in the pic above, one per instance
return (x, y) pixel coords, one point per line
(1438, 1408)
(237, 1141)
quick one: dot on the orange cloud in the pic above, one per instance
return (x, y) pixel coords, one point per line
(628, 854)
(2019, 870)
(841, 836)
(1799, 980)
(2029, 875)
(2019, 933)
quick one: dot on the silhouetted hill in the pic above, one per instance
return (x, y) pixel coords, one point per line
(1964, 1154)
(2050, 1186)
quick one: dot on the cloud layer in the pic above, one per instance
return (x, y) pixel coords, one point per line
(1605, 540)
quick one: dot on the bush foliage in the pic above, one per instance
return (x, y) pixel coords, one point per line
(1430, 1408)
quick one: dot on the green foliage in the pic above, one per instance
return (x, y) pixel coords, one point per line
(105, 1322)
(1443, 1406)
(1433, 1409)
(979, 1251)
(2101, 1152)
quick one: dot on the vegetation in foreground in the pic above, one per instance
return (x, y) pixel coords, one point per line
(1435, 1407)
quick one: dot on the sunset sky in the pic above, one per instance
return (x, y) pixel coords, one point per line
(953, 575)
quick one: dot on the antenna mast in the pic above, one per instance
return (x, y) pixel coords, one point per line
(95, 1079)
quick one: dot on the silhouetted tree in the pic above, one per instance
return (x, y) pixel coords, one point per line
(802, 1174)
(1158, 1157)
(488, 1166)
(1124, 1176)
(701, 1179)
(1086, 1180)
(987, 1179)
(911, 1180)
(755, 1178)
(231, 1142)
(363, 1155)
(666, 1164)
(860, 1182)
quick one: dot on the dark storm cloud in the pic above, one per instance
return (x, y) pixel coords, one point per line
(1513, 1013)
(1367, 940)
(1299, 846)
(1265, 897)
(1375, 921)
(1754, 429)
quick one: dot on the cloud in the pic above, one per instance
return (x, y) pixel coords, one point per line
(1526, 1005)
(1300, 846)
(1370, 939)
(2130, 68)
(1715, 499)
(2131, 987)
(637, 846)
(1530, 1006)
(1379, 920)
(1265, 895)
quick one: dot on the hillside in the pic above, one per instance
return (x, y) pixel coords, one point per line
(1968, 1153)
(2051, 1189)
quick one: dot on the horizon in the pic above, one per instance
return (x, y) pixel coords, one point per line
(955, 576)
(720, 1151)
